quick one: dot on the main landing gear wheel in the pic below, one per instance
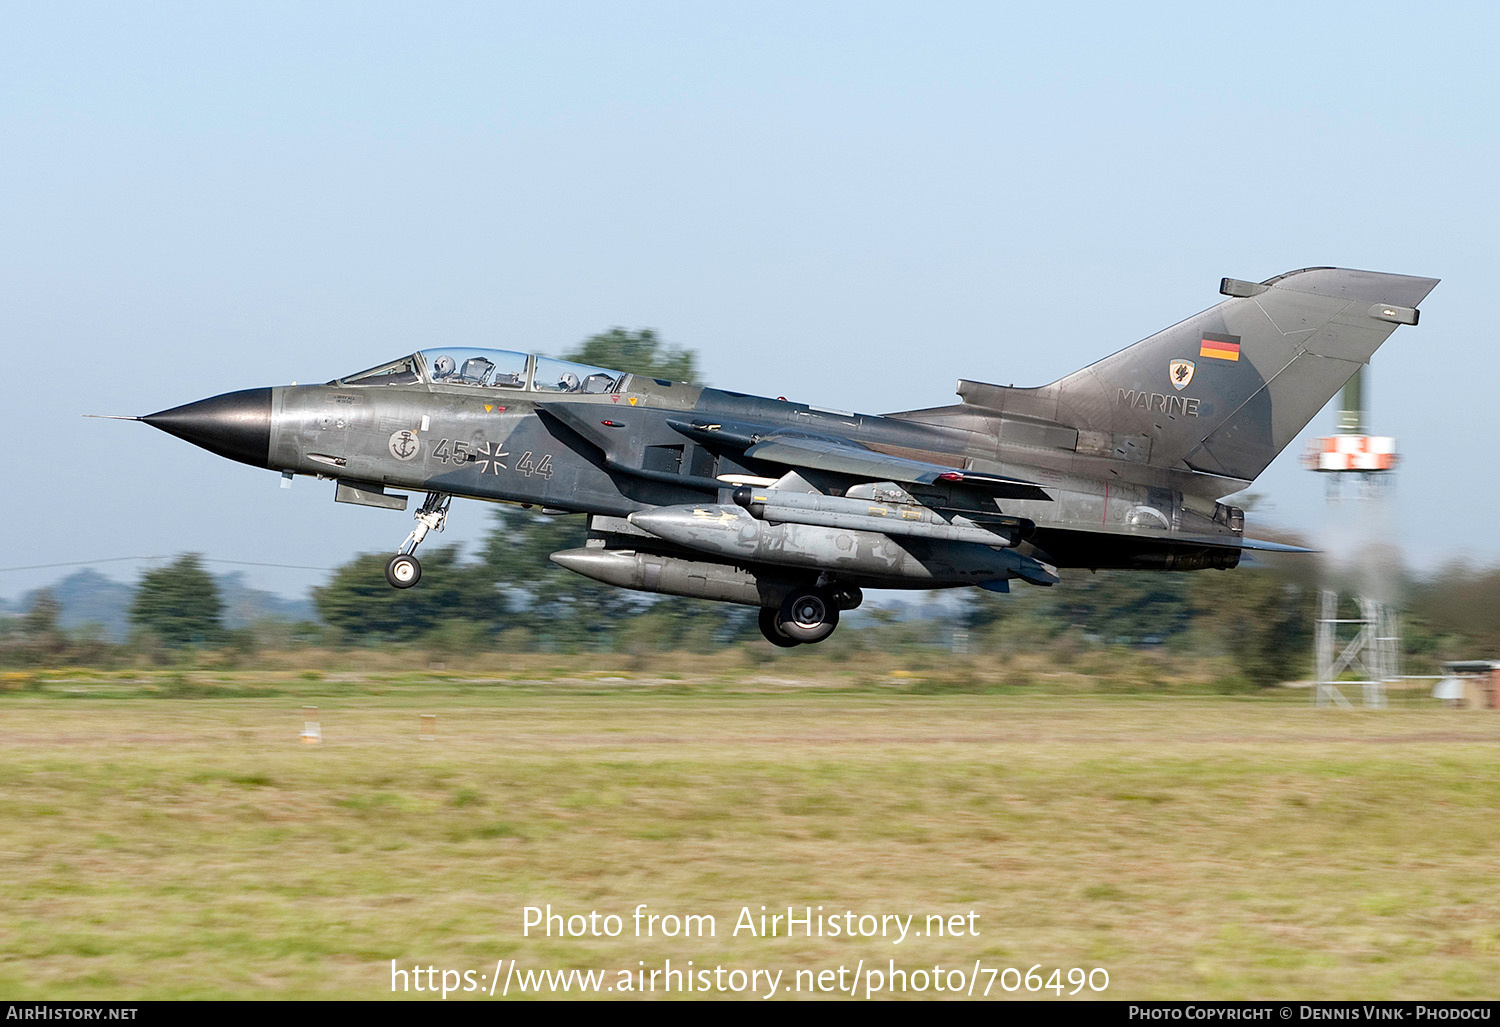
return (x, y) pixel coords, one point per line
(773, 633)
(403, 571)
(808, 615)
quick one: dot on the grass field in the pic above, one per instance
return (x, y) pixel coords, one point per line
(1194, 847)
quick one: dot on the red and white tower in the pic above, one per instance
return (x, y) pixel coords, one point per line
(1362, 649)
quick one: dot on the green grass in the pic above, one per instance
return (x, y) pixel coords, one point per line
(1195, 847)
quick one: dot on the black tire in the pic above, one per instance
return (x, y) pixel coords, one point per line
(773, 633)
(808, 615)
(403, 571)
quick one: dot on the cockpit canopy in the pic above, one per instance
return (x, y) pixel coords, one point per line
(491, 369)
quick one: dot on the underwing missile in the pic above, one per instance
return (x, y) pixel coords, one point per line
(813, 508)
(733, 533)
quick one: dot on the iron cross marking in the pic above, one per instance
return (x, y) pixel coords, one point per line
(488, 456)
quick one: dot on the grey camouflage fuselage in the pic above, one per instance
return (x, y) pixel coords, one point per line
(749, 499)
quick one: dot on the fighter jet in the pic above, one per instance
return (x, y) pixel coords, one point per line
(797, 509)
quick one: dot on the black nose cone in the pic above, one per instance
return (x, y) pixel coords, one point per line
(236, 425)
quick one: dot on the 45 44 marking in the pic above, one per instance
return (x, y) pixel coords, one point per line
(490, 457)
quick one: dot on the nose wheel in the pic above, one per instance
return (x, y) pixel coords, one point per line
(405, 570)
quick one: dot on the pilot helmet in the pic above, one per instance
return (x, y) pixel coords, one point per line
(443, 366)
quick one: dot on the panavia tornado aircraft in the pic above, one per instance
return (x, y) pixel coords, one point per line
(797, 509)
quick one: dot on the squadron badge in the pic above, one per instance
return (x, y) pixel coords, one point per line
(405, 444)
(1179, 373)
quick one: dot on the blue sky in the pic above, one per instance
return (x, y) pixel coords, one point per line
(850, 204)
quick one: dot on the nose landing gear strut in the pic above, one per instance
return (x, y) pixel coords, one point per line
(405, 570)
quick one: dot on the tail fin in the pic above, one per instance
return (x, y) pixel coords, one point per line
(1226, 390)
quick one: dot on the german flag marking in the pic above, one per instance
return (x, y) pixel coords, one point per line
(1220, 347)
